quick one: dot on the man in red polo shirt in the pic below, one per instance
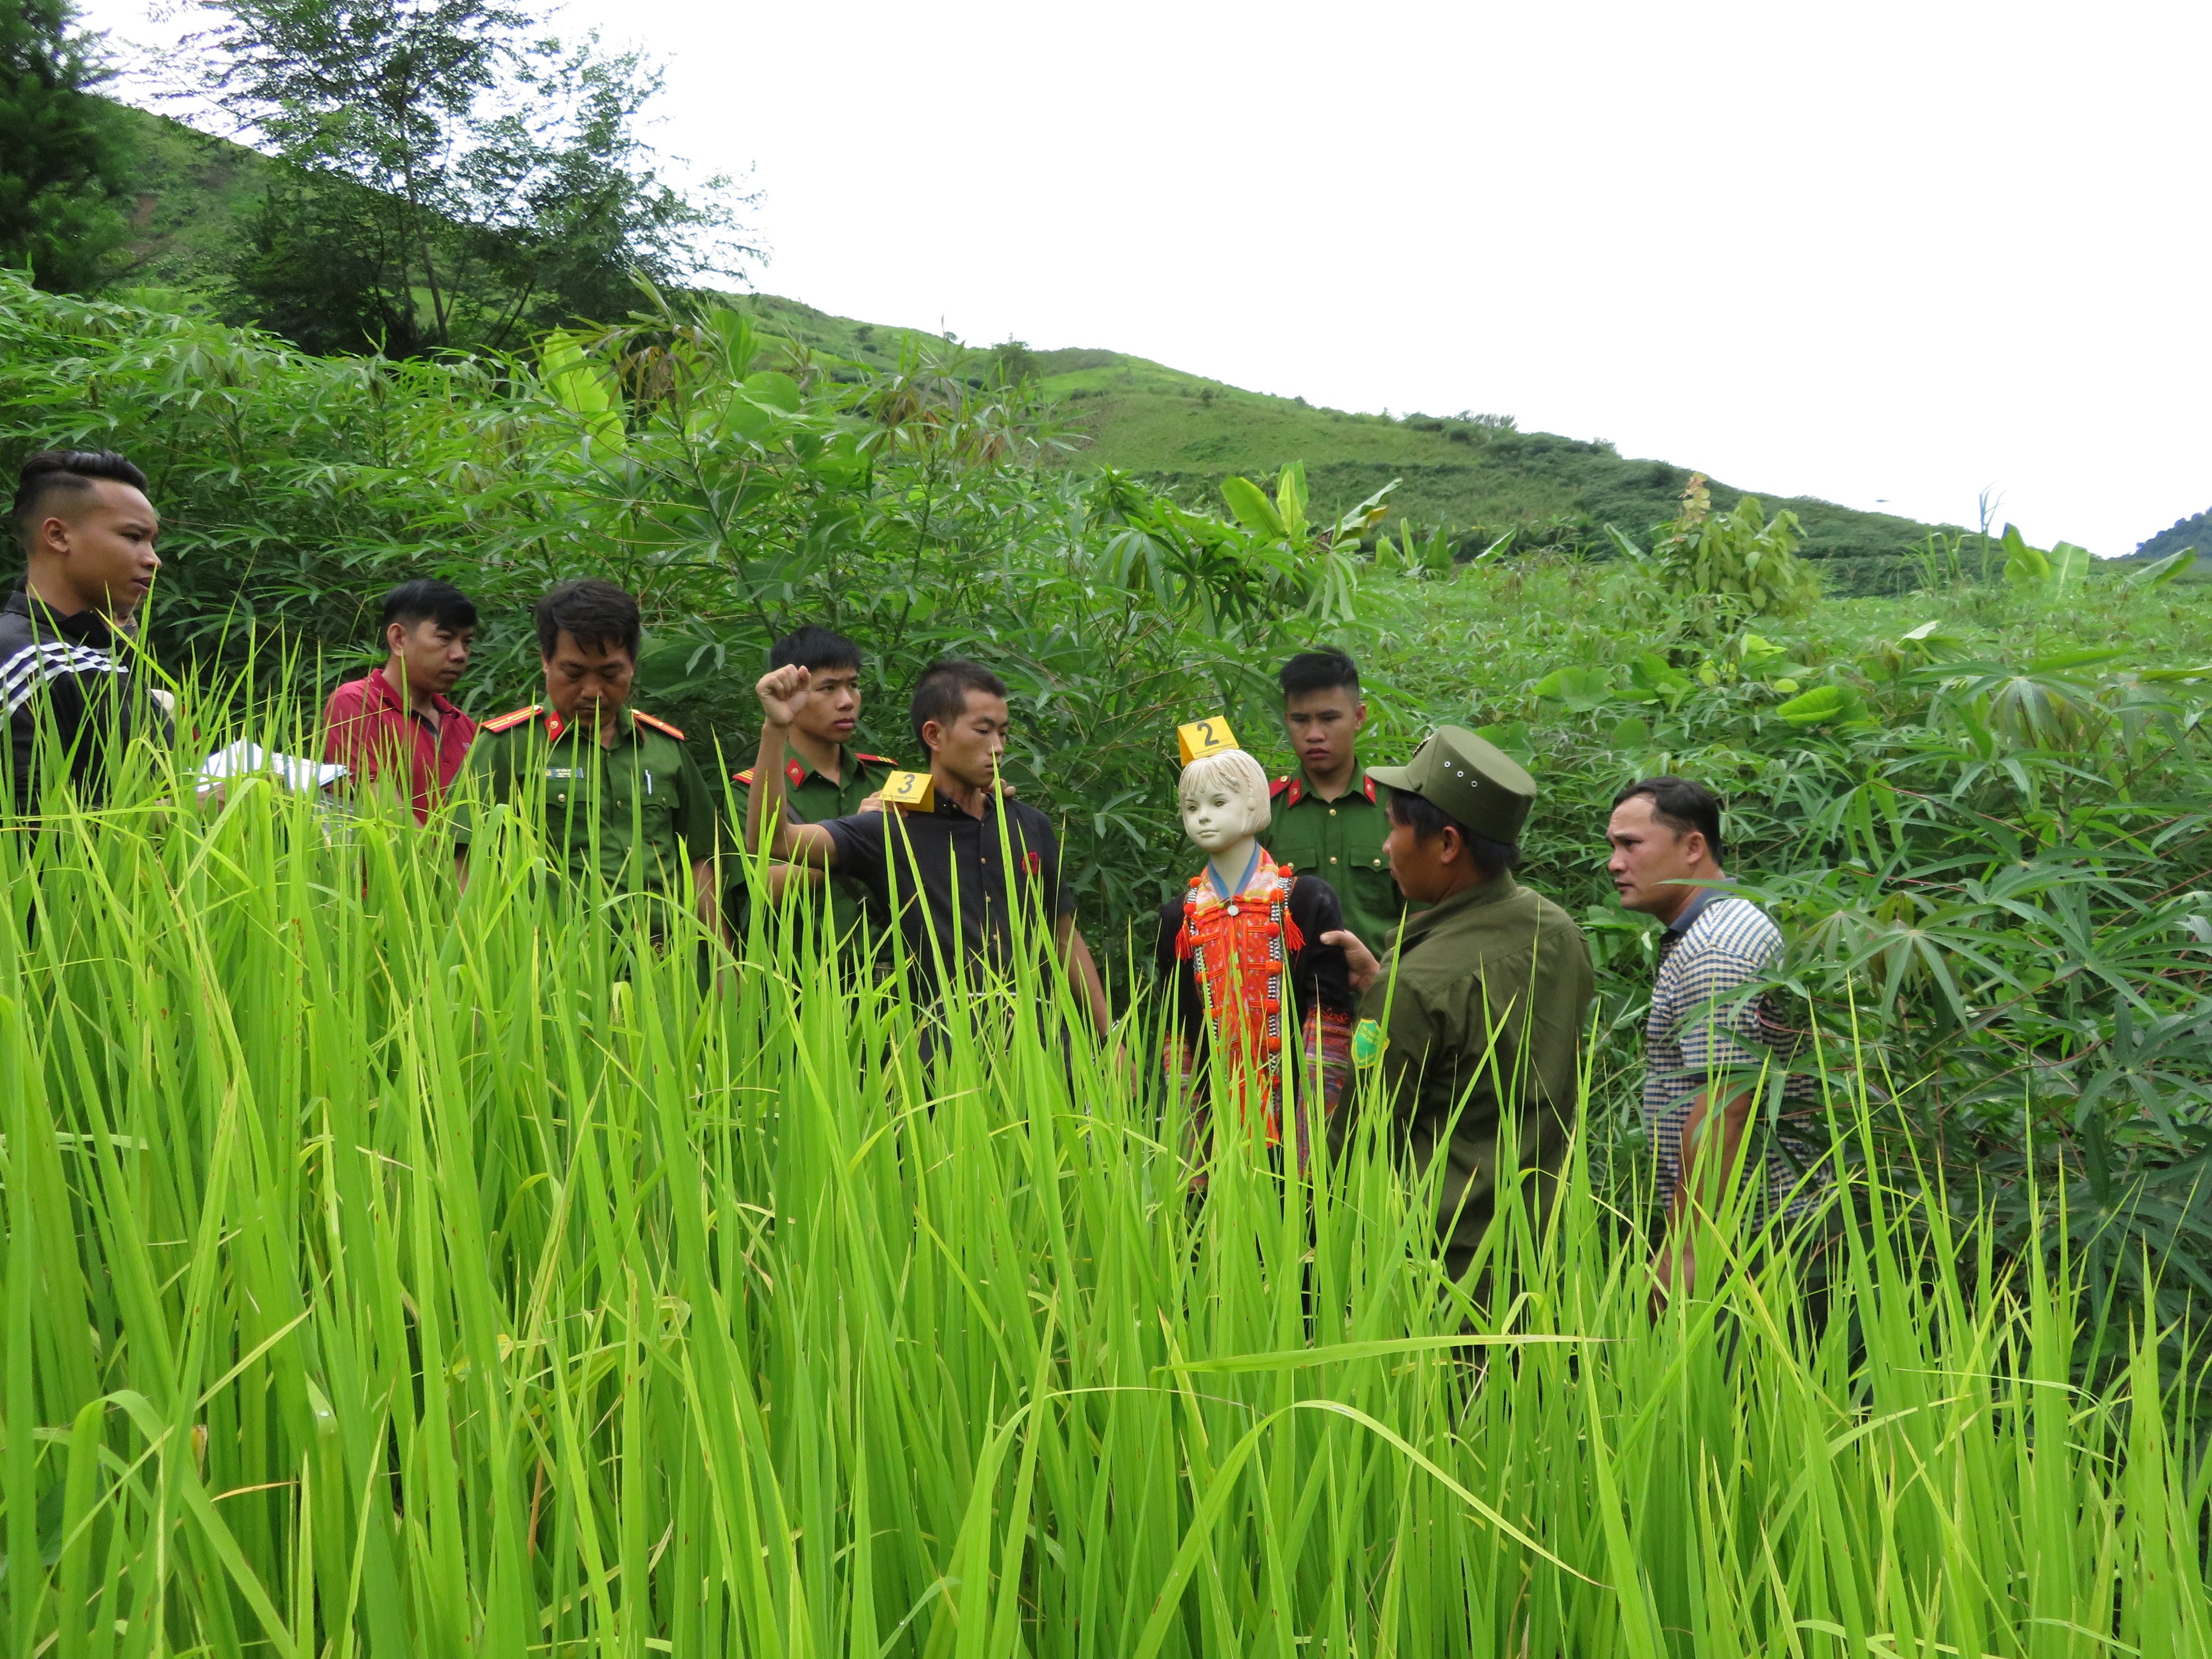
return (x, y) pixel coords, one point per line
(399, 716)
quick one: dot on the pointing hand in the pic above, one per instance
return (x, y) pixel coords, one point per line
(782, 693)
(1359, 963)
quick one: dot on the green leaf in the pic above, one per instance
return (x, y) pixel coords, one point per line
(1820, 705)
(2059, 662)
(757, 402)
(1511, 736)
(2068, 564)
(1581, 689)
(1756, 651)
(1291, 497)
(1252, 507)
(2163, 571)
(1652, 673)
(744, 418)
(583, 388)
(739, 343)
(2024, 566)
(843, 461)
(776, 391)
(1633, 733)
(1355, 525)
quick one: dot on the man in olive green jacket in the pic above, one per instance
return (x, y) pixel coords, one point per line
(1482, 1008)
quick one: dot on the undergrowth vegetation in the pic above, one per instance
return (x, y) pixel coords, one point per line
(1980, 814)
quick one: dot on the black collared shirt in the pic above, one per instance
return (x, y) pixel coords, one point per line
(72, 674)
(956, 876)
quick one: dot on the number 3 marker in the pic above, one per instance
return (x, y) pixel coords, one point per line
(915, 791)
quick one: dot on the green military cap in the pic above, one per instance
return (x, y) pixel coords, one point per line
(1477, 782)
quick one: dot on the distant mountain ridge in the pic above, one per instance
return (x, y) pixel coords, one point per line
(2194, 533)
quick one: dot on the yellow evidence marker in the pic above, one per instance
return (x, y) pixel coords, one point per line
(1204, 737)
(914, 791)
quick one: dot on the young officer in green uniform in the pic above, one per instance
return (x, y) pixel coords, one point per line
(1331, 816)
(824, 777)
(620, 794)
(1484, 999)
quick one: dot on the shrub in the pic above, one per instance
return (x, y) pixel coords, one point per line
(1731, 567)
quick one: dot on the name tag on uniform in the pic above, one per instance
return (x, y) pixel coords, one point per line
(562, 773)
(914, 791)
(1203, 738)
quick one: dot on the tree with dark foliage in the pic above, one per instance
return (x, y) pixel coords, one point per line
(447, 181)
(64, 156)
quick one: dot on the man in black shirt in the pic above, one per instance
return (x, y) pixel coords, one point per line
(953, 873)
(67, 642)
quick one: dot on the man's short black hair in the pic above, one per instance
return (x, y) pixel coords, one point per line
(426, 599)
(1682, 804)
(941, 693)
(815, 647)
(1318, 671)
(597, 615)
(1427, 821)
(70, 471)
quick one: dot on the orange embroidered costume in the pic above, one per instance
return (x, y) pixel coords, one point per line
(1247, 969)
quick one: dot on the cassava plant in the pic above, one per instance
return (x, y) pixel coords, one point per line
(1728, 568)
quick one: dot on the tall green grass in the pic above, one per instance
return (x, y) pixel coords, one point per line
(391, 1273)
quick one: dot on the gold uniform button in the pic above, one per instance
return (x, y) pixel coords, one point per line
(1332, 858)
(1332, 811)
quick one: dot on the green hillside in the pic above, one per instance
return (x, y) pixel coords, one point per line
(2182, 535)
(1476, 475)
(194, 190)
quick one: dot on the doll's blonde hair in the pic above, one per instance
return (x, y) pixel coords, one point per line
(1237, 771)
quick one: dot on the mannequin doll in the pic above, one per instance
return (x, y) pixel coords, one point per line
(1241, 953)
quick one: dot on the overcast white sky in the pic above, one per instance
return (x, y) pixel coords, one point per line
(1888, 254)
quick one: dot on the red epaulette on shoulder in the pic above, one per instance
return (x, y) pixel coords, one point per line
(508, 722)
(657, 724)
(1287, 790)
(744, 777)
(1369, 782)
(876, 760)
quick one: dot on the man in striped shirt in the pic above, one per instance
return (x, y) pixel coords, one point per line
(67, 638)
(1710, 1033)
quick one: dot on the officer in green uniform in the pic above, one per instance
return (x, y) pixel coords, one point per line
(824, 777)
(1330, 818)
(1485, 997)
(620, 794)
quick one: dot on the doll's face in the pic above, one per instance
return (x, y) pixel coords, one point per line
(1216, 814)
